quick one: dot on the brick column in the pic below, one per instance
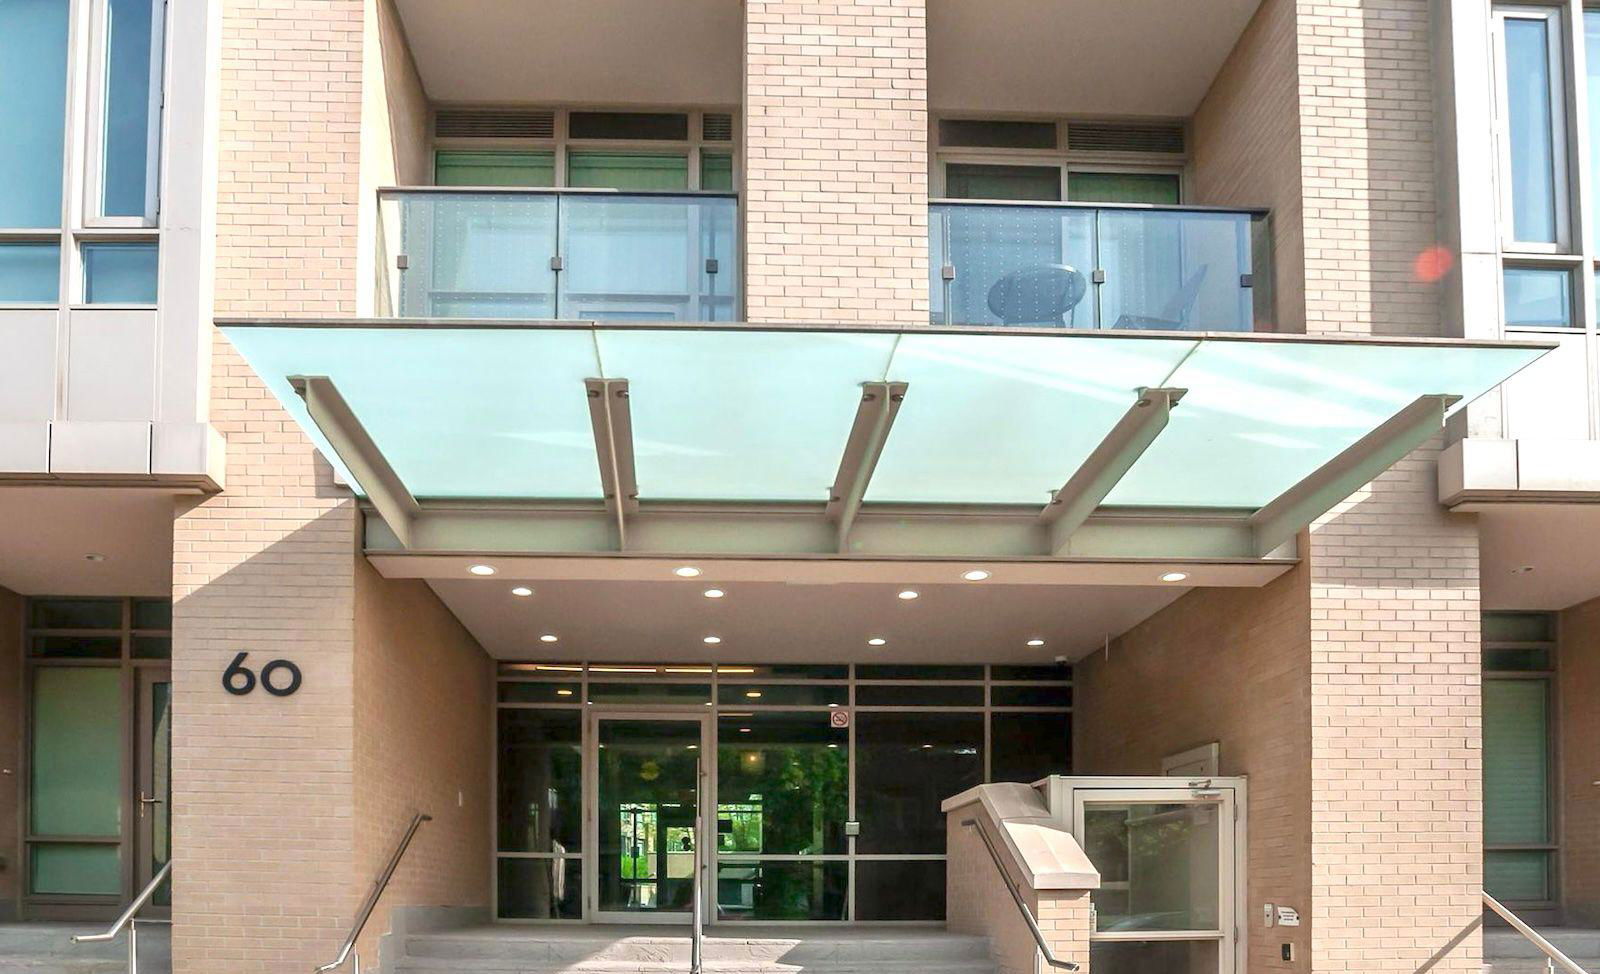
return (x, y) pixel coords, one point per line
(836, 161)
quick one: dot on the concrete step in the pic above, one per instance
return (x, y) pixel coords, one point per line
(631, 950)
(37, 948)
(1508, 952)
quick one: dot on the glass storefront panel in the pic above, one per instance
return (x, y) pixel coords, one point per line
(75, 869)
(647, 776)
(1027, 747)
(766, 890)
(783, 784)
(907, 763)
(1154, 957)
(540, 781)
(907, 889)
(541, 889)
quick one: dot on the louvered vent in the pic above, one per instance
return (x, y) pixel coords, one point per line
(1117, 137)
(717, 127)
(484, 123)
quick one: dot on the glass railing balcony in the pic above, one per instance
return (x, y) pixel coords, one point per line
(519, 253)
(1075, 265)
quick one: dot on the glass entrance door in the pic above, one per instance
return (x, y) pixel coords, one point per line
(153, 780)
(1166, 901)
(648, 774)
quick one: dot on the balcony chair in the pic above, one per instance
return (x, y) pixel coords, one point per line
(1038, 296)
(1175, 313)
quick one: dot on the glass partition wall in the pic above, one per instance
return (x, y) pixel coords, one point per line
(827, 781)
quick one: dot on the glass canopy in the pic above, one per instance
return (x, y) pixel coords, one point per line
(748, 414)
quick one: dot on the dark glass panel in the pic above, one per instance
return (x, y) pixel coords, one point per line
(1516, 660)
(1153, 957)
(925, 695)
(782, 784)
(770, 694)
(540, 693)
(906, 764)
(781, 890)
(152, 647)
(78, 647)
(152, 613)
(540, 781)
(787, 670)
(77, 613)
(1031, 696)
(541, 889)
(892, 671)
(668, 126)
(906, 890)
(649, 693)
(992, 133)
(1027, 747)
(1057, 673)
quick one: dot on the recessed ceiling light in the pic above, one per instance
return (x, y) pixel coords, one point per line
(548, 637)
(744, 730)
(563, 693)
(876, 641)
(832, 706)
(94, 556)
(686, 571)
(927, 747)
(1174, 576)
(714, 593)
(976, 575)
(753, 694)
(908, 594)
(522, 590)
(481, 569)
(694, 747)
(835, 746)
(712, 640)
(1519, 570)
(1036, 642)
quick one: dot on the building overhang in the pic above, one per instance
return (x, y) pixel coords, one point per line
(1061, 448)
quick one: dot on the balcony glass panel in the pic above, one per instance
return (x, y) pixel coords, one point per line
(1067, 266)
(539, 255)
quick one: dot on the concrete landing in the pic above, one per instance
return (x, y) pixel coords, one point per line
(728, 949)
(47, 948)
(1508, 952)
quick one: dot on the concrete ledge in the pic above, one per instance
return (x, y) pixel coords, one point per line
(1045, 853)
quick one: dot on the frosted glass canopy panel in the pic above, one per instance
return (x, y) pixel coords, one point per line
(1005, 419)
(1261, 416)
(741, 415)
(458, 412)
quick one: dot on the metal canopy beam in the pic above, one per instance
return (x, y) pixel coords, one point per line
(613, 445)
(1070, 506)
(360, 455)
(880, 402)
(1316, 495)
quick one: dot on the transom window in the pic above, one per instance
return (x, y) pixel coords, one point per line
(624, 150)
(1047, 161)
(1519, 834)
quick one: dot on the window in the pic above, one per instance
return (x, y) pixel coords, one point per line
(30, 273)
(1518, 811)
(1030, 161)
(128, 95)
(973, 181)
(1538, 297)
(628, 151)
(1532, 124)
(119, 273)
(33, 75)
(1123, 187)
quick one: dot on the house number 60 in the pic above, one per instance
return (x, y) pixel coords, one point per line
(238, 680)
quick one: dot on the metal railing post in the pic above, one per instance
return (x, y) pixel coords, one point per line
(1039, 941)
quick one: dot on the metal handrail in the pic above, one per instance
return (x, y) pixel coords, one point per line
(1553, 953)
(1251, 211)
(130, 920)
(371, 902)
(1022, 904)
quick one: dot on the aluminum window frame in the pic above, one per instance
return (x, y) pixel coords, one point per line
(1064, 159)
(1558, 40)
(95, 118)
(582, 673)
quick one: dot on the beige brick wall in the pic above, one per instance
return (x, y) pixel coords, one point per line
(284, 807)
(1366, 133)
(12, 715)
(289, 150)
(977, 903)
(1225, 665)
(836, 160)
(263, 786)
(1245, 146)
(423, 705)
(1578, 724)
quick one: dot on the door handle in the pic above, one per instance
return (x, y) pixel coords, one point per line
(147, 800)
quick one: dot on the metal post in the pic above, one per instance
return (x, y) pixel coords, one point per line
(133, 947)
(698, 862)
